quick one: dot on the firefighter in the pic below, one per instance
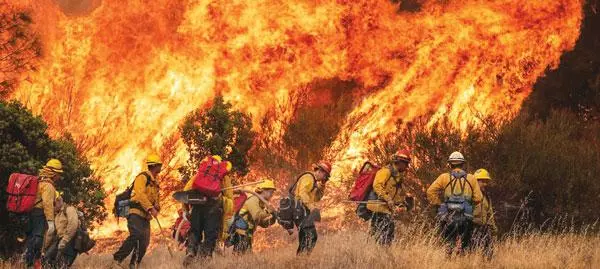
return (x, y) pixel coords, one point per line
(460, 192)
(42, 216)
(254, 212)
(206, 219)
(309, 190)
(60, 246)
(144, 205)
(387, 187)
(484, 222)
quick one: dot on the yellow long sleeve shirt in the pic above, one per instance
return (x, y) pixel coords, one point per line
(255, 212)
(309, 191)
(145, 194)
(45, 198)
(388, 187)
(441, 187)
(67, 222)
(483, 214)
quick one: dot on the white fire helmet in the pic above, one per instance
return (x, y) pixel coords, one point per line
(456, 158)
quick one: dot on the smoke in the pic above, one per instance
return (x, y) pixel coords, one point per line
(78, 7)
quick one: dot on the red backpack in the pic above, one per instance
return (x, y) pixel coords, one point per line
(364, 182)
(209, 177)
(22, 193)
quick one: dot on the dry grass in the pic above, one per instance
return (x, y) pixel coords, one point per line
(419, 250)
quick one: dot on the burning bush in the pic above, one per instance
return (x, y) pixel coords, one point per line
(19, 47)
(541, 168)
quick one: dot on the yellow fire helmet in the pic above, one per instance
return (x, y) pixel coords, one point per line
(153, 159)
(266, 185)
(482, 174)
(54, 165)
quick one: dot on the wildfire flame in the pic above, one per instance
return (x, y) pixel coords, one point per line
(121, 78)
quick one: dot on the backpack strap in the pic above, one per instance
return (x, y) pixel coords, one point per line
(148, 180)
(390, 177)
(462, 182)
(293, 187)
(49, 181)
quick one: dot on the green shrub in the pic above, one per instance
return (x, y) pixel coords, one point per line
(25, 147)
(217, 130)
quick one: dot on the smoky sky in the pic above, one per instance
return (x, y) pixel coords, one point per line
(78, 7)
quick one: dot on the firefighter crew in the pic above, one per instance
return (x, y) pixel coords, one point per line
(144, 205)
(387, 187)
(206, 220)
(60, 246)
(460, 192)
(42, 216)
(484, 222)
(254, 212)
(309, 190)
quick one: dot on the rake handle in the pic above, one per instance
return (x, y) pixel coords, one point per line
(161, 232)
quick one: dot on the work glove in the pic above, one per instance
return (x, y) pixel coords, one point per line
(51, 227)
(157, 208)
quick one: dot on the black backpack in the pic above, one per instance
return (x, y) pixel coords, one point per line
(122, 200)
(83, 242)
(291, 210)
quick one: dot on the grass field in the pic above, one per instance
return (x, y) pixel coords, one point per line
(413, 249)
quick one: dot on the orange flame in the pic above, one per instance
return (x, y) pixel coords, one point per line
(121, 78)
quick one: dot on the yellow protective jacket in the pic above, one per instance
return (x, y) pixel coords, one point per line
(45, 197)
(483, 214)
(226, 199)
(67, 222)
(255, 212)
(441, 187)
(309, 191)
(388, 187)
(145, 195)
